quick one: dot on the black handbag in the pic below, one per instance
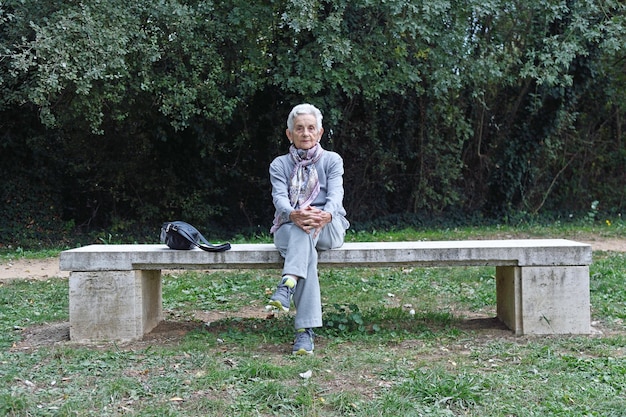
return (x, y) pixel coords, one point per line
(183, 236)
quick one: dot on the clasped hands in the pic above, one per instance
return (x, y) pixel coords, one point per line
(310, 219)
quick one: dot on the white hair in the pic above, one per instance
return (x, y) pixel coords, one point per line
(301, 109)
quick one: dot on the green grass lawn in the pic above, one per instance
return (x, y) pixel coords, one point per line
(397, 342)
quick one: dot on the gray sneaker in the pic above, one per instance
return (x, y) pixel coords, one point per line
(282, 297)
(303, 345)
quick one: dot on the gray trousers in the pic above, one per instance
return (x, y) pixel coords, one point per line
(300, 252)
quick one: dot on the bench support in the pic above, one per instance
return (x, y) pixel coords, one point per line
(544, 300)
(125, 305)
(114, 305)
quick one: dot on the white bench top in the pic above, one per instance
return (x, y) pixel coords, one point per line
(518, 252)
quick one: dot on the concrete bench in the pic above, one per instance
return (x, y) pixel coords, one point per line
(542, 285)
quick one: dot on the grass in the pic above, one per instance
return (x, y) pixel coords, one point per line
(10, 254)
(373, 358)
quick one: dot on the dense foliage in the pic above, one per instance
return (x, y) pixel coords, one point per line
(118, 115)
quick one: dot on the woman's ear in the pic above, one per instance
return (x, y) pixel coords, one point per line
(320, 135)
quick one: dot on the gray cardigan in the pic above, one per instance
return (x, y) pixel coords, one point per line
(330, 175)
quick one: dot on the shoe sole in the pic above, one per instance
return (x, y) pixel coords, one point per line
(278, 305)
(302, 352)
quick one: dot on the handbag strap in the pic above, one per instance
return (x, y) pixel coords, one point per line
(209, 247)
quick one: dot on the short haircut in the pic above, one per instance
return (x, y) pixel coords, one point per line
(301, 109)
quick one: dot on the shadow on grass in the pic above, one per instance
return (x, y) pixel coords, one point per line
(277, 329)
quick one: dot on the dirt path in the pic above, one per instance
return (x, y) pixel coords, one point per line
(610, 245)
(49, 267)
(31, 269)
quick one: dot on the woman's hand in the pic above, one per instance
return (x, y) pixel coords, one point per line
(310, 219)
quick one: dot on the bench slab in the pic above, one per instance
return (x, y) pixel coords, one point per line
(542, 285)
(522, 252)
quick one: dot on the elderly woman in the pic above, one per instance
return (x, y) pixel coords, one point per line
(307, 191)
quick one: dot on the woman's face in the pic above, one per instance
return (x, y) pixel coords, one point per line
(305, 133)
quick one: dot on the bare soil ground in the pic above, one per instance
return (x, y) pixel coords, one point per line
(172, 329)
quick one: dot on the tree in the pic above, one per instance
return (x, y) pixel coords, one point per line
(138, 112)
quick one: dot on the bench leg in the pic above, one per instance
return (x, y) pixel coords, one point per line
(114, 305)
(544, 300)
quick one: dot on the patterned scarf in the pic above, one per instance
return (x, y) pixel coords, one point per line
(304, 184)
